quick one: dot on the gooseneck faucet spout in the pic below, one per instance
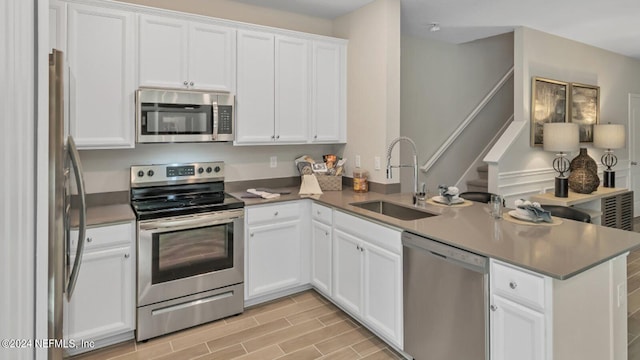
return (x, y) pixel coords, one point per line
(415, 162)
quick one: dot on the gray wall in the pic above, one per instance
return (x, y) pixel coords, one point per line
(441, 84)
(541, 54)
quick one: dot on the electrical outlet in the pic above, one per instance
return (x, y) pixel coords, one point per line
(357, 160)
(376, 161)
(274, 162)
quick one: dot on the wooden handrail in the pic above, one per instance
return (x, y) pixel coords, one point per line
(443, 148)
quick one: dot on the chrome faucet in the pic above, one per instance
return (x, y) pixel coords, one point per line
(415, 163)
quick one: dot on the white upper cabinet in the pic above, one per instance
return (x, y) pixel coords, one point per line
(273, 88)
(57, 28)
(184, 54)
(100, 53)
(290, 89)
(256, 94)
(328, 121)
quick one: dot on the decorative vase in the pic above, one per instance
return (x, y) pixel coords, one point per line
(582, 161)
(583, 181)
(584, 173)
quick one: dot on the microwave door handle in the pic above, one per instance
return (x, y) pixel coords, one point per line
(77, 170)
(214, 134)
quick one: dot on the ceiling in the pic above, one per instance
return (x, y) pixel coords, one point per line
(611, 25)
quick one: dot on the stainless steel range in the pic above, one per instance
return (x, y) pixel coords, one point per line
(190, 247)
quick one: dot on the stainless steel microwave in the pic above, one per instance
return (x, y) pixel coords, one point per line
(166, 116)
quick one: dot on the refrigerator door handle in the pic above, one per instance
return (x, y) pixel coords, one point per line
(82, 230)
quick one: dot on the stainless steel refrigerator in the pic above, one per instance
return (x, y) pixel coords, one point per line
(64, 161)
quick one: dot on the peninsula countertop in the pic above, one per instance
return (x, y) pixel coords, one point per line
(559, 251)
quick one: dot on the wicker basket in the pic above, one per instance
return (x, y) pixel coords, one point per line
(329, 183)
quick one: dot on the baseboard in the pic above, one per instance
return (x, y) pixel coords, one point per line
(275, 295)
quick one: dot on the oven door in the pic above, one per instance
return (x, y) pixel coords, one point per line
(186, 255)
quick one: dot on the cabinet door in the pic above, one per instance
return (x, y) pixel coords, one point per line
(329, 93)
(273, 258)
(347, 271)
(517, 332)
(321, 257)
(291, 89)
(255, 100)
(383, 292)
(211, 57)
(103, 302)
(57, 25)
(163, 52)
(101, 67)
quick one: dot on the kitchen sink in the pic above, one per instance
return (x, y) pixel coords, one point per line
(393, 210)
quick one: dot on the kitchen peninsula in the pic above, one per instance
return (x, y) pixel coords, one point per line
(556, 291)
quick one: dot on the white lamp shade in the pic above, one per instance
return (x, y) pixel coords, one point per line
(608, 136)
(560, 137)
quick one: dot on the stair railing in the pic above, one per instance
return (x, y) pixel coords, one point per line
(458, 131)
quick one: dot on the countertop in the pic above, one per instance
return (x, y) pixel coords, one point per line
(104, 214)
(560, 251)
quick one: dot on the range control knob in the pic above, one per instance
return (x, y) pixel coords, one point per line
(209, 169)
(200, 170)
(140, 173)
(217, 169)
(150, 173)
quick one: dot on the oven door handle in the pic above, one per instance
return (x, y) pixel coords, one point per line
(182, 224)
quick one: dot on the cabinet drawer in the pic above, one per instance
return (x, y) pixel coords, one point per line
(271, 213)
(105, 236)
(520, 286)
(322, 213)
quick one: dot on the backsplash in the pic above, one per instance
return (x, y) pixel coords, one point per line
(108, 170)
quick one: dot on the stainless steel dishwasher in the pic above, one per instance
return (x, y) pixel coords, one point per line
(445, 301)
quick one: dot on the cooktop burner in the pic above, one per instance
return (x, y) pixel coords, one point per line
(179, 189)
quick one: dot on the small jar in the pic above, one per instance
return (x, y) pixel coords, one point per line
(360, 183)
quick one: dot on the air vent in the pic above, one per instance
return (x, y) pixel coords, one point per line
(617, 211)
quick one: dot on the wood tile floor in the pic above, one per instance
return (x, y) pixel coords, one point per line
(297, 327)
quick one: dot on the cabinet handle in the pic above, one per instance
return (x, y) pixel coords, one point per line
(186, 83)
(493, 308)
(315, 136)
(318, 212)
(513, 285)
(275, 213)
(251, 234)
(358, 247)
(191, 83)
(273, 137)
(89, 239)
(326, 233)
(126, 256)
(277, 136)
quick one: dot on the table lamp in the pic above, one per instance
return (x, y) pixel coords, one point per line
(609, 137)
(561, 138)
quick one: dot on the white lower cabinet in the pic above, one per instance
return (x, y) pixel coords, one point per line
(276, 255)
(518, 332)
(321, 256)
(103, 303)
(367, 274)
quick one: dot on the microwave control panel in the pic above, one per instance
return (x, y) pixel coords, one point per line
(225, 119)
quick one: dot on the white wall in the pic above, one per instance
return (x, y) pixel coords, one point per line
(373, 83)
(549, 56)
(441, 84)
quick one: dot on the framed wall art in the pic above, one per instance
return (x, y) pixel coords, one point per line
(585, 109)
(549, 103)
